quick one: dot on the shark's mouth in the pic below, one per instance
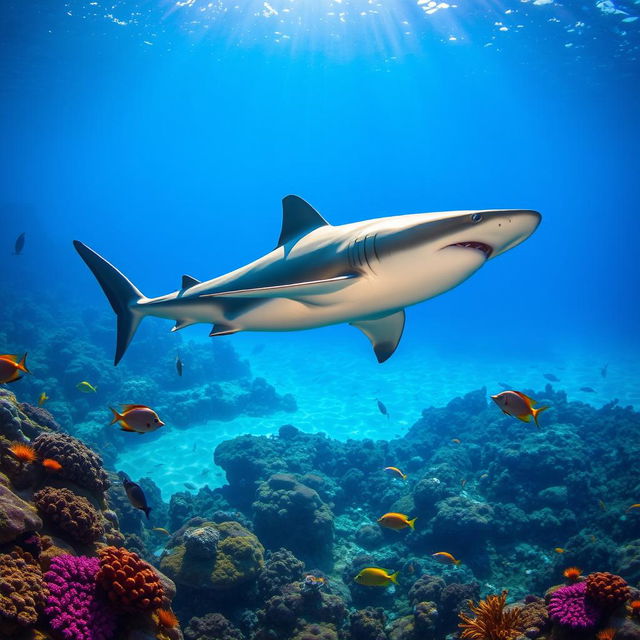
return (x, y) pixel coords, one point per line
(478, 246)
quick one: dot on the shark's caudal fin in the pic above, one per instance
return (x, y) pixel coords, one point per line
(120, 292)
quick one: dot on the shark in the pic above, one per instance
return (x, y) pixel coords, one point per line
(362, 273)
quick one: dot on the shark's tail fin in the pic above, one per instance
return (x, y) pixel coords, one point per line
(121, 294)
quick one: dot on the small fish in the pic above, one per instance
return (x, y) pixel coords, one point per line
(444, 557)
(463, 482)
(195, 446)
(42, 399)
(593, 538)
(157, 466)
(376, 577)
(505, 386)
(12, 367)
(633, 506)
(314, 581)
(383, 410)
(559, 550)
(551, 377)
(587, 389)
(517, 405)
(396, 471)
(86, 387)
(19, 245)
(161, 530)
(136, 495)
(138, 418)
(455, 440)
(396, 521)
(179, 365)
(484, 476)
(603, 371)
(205, 472)
(602, 505)
(51, 465)
(190, 486)
(411, 568)
(257, 349)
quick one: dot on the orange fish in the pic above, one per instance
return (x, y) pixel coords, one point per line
(138, 418)
(559, 550)
(396, 521)
(444, 557)
(12, 367)
(51, 465)
(633, 506)
(517, 405)
(23, 452)
(396, 471)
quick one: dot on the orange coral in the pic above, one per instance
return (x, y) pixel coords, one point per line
(166, 618)
(606, 634)
(130, 583)
(491, 621)
(607, 589)
(23, 452)
(572, 573)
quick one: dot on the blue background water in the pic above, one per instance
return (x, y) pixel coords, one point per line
(164, 136)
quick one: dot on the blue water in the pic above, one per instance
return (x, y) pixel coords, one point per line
(164, 134)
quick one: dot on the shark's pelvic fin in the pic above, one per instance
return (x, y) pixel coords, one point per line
(182, 323)
(223, 330)
(122, 295)
(384, 333)
(188, 281)
(292, 290)
(298, 218)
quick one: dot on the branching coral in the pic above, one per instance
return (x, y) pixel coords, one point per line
(492, 621)
(70, 513)
(130, 583)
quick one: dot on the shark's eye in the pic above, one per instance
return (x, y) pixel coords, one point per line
(476, 217)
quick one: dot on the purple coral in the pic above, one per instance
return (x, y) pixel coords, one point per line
(74, 606)
(569, 606)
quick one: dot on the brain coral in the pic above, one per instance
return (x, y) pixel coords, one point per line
(288, 513)
(21, 591)
(607, 589)
(79, 463)
(130, 583)
(75, 608)
(237, 559)
(70, 513)
(569, 606)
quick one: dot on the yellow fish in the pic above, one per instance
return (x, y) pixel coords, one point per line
(161, 530)
(396, 521)
(42, 399)
(444, 557)
(633, 506)
(86, 387)
(376, 577)
(559, 550)
(396, 471)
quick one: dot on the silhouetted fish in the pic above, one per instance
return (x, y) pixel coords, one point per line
(551, 377)
(19, 246)
(190, 486)
(603, 371)
(587, 389)
(179, 365)
(505, 386)
(382, 408)
(257, 349)
(135, 494)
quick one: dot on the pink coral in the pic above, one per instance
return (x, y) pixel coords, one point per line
(75, 607)
(569, 606)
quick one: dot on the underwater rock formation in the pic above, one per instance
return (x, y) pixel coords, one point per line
(213, 626)
(281, 568)
(16, 515)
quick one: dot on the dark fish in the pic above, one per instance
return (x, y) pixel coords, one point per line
(551, 377)
(179, 366)
(205, 472)
(190, 486)
(603, 371)
(383, 410)
(135, 494)
(505, 386)
(587, 389)
(195, 446)
(257, 349)
(19, 246)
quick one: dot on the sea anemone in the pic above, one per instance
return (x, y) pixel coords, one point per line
(606, 634)
(491, 621)
(572, 573)
(166, 618)
(23, 452)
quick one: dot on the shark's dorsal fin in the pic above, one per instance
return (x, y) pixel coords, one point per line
(189, 281)
(298, 218)
(384, 333)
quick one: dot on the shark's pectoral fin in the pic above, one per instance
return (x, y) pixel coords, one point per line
(223, 330)
(189, 281)
(182, 323)
(384, 333)
(292, 290)
(298, 218)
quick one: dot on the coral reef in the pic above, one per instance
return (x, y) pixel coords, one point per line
(570, 607)
(492, 621)
(74, 607)
(607, 590)
(16, 515)
(280, 568)
(71, 514)
(368, 624)
(213, 626)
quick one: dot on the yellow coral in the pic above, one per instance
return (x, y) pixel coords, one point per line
(491, 621)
